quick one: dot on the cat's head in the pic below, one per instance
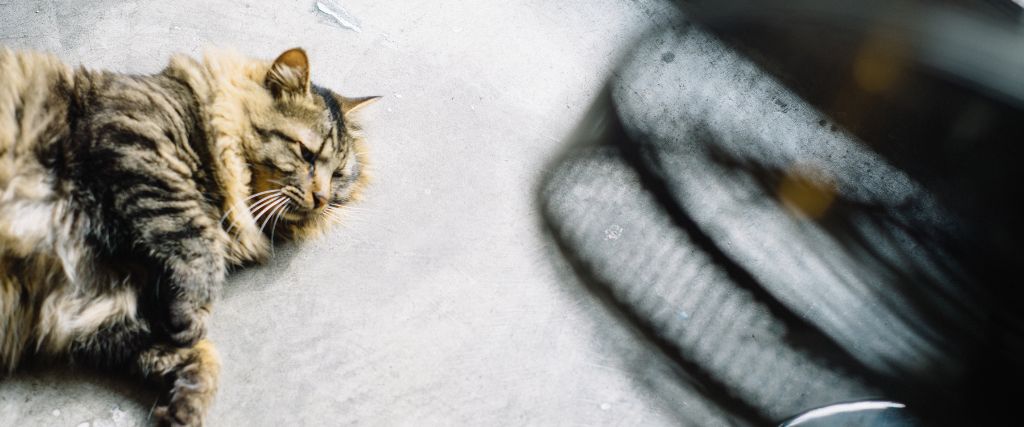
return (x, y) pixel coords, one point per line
(306, 158)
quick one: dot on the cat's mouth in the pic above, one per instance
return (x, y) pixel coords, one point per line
(326, 214)
(303, 215)
(298, 216)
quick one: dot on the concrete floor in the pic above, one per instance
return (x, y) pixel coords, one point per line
(441, 302)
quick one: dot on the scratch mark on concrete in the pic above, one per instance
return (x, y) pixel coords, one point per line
(341, 16)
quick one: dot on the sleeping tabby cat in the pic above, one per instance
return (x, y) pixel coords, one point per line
(125, 199)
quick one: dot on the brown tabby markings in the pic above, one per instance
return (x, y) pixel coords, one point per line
(124, 199)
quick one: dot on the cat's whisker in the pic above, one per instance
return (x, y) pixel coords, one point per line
(263, 224)
(358, 216)
(336, 216)
(335, 219)
(256, 207)
(356, 210)
(350, 207)
(328, 213)
(270, 206)
(262, 203)
(230, 227)
(273, 227)
(276, 190)
(242, 203)
(261, 193)
(232, 209)
(348, 215)
(274, 209)
(264, 198)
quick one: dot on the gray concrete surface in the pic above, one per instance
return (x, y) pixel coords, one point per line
(441, 302)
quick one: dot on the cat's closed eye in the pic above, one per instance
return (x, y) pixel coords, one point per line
(307, 155)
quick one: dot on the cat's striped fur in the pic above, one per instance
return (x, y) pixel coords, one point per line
(125, 199)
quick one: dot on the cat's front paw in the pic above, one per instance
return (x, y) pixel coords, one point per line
(187, 323)
(179, 415)
(193, 389)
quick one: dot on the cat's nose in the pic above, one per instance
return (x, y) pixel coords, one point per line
(319, 199)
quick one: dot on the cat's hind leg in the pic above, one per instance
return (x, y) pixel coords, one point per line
(122, 341)
(191, 373)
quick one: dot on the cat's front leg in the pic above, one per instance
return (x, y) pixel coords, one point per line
(192, 284)
(168, 221)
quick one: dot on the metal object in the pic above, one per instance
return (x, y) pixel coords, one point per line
(868, 413)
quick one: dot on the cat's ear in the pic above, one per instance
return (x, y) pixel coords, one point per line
(289, 73)
(349, 105)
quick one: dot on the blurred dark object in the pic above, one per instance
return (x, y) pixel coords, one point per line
(936, 87)
(805, 203)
